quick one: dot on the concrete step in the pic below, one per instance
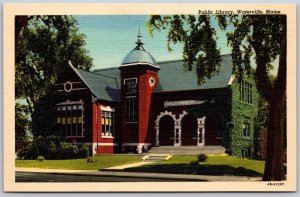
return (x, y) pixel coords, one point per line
(187, 150)
(156, 157)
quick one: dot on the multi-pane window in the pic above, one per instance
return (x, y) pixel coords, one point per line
(107, 123)
(131, 109)
(69, 119)
(130, 86)
(246, 152)
(246, 91)
(246, 127)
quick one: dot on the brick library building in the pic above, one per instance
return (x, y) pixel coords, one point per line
(143, 104)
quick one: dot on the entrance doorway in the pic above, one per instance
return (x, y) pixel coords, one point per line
(189, 127)
(211, 130)
(166, 131)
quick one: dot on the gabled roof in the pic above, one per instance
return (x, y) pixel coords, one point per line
(102, 86)
(172, 76)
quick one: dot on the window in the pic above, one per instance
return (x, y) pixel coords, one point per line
(69, 119)
(246, 152)
(130, 86)
(107, 122)
(246, 128)
(131, 109)
(245, 91)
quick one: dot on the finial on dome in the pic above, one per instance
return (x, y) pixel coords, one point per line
(139, 41)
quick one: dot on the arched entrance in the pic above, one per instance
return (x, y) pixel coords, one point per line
(211, 130)
(166, 131)
(189, 128)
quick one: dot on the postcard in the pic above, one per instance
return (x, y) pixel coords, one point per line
(149, 97)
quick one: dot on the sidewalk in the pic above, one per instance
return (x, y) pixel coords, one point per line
(118, 173)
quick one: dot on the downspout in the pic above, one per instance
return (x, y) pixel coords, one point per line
(97, 124)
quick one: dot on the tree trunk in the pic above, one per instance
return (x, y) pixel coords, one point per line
(274, 169)
(275, 156)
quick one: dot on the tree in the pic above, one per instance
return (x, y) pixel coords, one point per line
(22, 121)
(44, 44)
(260, 37)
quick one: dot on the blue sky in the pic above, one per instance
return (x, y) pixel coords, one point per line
(110, 37)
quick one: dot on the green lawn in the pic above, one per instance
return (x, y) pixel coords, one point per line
(101, 161)
(215, 165)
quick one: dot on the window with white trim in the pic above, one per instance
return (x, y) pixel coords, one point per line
(69, 119)
(131, 109)
(130, 85)
(107, 122)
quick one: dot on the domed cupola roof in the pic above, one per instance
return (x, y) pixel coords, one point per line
(139, 56)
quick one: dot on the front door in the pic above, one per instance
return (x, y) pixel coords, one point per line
(166, 131)
(189, 128)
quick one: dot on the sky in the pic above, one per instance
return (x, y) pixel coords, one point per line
(109, 38)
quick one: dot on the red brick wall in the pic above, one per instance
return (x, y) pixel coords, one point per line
(145, 93)
(138, 132)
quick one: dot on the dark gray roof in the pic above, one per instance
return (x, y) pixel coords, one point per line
(103, 87)
(138, 56)
(172, 76)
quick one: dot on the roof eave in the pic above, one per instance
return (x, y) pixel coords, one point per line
(71, 65)
(139, 63)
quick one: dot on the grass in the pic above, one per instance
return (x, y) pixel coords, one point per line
(215, 165)
(101, 161)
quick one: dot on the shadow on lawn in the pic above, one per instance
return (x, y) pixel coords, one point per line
(218, 170)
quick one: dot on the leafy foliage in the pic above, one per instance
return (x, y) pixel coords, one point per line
(261, 37)
(22, 121)
(53, 147)
(197, 35)
(43, 48)
(202, 157)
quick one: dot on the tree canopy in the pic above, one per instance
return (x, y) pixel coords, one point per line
(261, 37)
(44, 44)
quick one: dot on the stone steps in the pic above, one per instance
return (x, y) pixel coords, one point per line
(187, 150)
(156, 157)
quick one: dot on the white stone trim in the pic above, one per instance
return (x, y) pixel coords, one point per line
(106, 144)
(107, 108)
(232, 77)
(139, 146)
(184, 113)
(71, 86)
(130, 79)
(201, 126)
(182, 103)
(162, 114)
(135, 144)
(139, 63)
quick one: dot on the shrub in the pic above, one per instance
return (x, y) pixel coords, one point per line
(67, 151)
(53, 147)
(84, 151)
(90, 159)
(40, 158)
(27, 152)
(202, 157)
